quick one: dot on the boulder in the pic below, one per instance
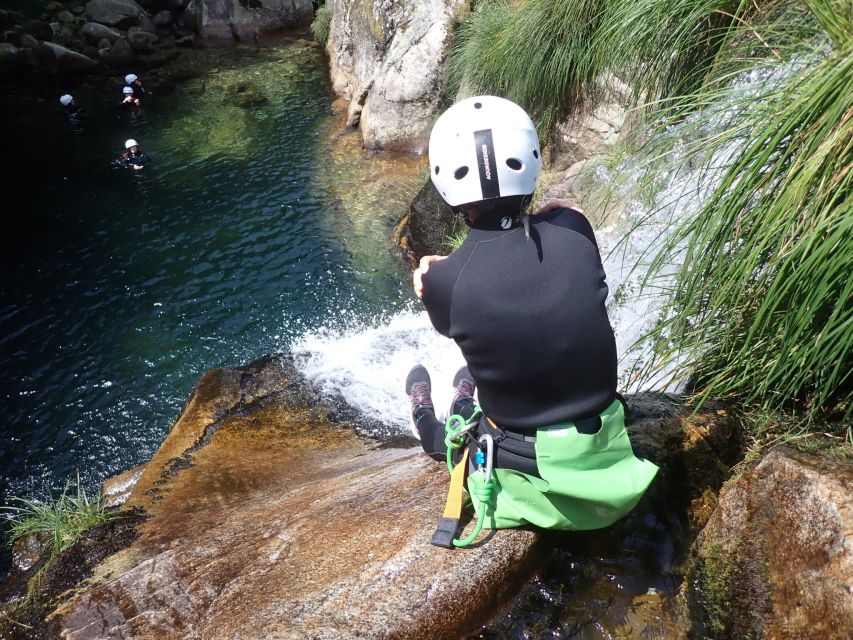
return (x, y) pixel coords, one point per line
(65, 17)
(427, 225)
(11, 61)
(146, 24)
(41, 30)
(61, 61)
(121, 54)
(266, 520)
(391, 75)
(53, 7)
(776, 559)
(141, 41)
(65, 35)
(95, 32)
(185, 41)
(163, 19)
(115, 13)
(28, 41)
(245, 21)
(244, 94)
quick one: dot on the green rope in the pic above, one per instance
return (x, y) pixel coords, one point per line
(484, 492)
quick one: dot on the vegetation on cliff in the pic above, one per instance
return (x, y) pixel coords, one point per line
(321, 24)
(761, 308)
(59, 521)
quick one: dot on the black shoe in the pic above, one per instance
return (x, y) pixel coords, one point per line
(463, 394)
(419, 388)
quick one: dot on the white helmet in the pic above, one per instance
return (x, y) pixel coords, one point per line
(130, 78)
(482, 148)
(66, 99)
(130, 143)
(127, 90)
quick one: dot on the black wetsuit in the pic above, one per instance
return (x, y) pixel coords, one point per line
(138, 158)
(73, 113)
(139, 91)
(530, 319)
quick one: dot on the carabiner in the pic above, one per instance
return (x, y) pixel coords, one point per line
(490, 454)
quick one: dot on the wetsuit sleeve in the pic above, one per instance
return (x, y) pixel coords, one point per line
(142, 159)
(439, 283)
(438, 289)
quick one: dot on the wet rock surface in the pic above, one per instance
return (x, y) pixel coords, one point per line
(245, 20)
(266, 520)
(776, 559)
(425, 228)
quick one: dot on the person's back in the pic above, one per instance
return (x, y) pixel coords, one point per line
(530, 319)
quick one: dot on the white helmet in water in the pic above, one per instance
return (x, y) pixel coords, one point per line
(130, 143)
(66, 99)
(482, 148)
(130, 78)
(127, 90)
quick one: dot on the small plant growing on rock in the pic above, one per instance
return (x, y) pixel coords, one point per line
(61, 520)
(321, 25)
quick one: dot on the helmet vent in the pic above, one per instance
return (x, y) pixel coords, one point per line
(436, 169)
(536, 153)
(478, 105)
(460, 173)
(514, 164)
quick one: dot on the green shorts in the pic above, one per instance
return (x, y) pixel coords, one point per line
(588, 481)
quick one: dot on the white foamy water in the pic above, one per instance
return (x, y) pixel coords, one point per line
(366, 364)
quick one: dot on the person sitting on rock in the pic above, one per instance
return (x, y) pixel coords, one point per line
(524, 299)
(133, 81)
(133, 156)
(71, 109)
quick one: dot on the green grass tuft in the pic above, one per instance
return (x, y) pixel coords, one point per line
(59, 520)
(321, 24)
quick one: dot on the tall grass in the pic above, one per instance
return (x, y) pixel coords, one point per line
(534, 52)
(762, 303)
(60, 520)
(760, 308)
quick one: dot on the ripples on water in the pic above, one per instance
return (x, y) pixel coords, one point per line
(240, 236)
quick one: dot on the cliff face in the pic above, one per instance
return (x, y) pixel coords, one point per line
(386, 57)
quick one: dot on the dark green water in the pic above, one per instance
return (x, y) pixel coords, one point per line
(121, 289)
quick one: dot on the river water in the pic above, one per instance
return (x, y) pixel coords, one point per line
(250, 227)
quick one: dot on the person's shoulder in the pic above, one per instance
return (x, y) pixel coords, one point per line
(570, 219)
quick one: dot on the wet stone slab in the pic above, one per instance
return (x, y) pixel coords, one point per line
(278, 524)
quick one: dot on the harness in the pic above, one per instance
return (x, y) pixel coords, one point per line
(577, 475)
(458, 434)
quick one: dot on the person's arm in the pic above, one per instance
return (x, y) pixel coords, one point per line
(418, 275)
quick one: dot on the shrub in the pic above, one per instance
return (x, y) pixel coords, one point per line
(60, 520)
(762, 303)
(321, 24)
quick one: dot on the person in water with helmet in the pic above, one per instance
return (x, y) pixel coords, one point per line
(133, 157)
(71, 109)
(524, 299)
(129, 99)
(132, 80)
